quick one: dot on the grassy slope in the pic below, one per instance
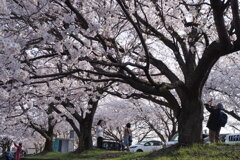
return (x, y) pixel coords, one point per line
(196, 152)
(199, 152)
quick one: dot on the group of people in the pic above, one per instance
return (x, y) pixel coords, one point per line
(10, 156)
(127, 134)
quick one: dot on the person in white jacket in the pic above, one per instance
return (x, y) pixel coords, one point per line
(99, 133)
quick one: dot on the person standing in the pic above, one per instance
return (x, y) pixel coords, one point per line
(99, 133)
(19, 149)
(214, 122)
(127, 135)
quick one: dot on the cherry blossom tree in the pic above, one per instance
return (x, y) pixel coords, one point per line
(43, 122)
(190, 39)
(27, 109)
(164, 49)
(80, 122)
(76, 103)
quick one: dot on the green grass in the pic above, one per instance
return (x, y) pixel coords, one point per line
(90, 155)
(200, 152)
(195, 152)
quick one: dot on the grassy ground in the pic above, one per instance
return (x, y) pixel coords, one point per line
(195, 152)
(90, 155)
(198, 152)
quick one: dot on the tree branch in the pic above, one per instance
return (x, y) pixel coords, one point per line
(142, 42)
(83, 22)
(236, 20)
(218, 10)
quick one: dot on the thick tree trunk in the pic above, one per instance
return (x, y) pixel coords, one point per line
(190, 122)
(48, 145)
(85, 136)
(85, 125)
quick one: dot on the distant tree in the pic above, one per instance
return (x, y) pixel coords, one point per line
(159, 119)
(148, 120)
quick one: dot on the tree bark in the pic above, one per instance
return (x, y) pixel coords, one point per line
(48, 145)
(190, 121)
(85, 125)
(85, 137)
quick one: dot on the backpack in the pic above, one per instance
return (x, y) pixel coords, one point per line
(223, 119)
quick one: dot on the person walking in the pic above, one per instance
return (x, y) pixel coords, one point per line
(127, 136)
(19, 149)
(214, 121)
(99, 133)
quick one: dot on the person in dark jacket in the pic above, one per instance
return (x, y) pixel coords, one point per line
(213, 123)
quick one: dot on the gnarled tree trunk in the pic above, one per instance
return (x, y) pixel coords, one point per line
(48, 145)
(85, 136)
(83, 126)
(190, 121)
